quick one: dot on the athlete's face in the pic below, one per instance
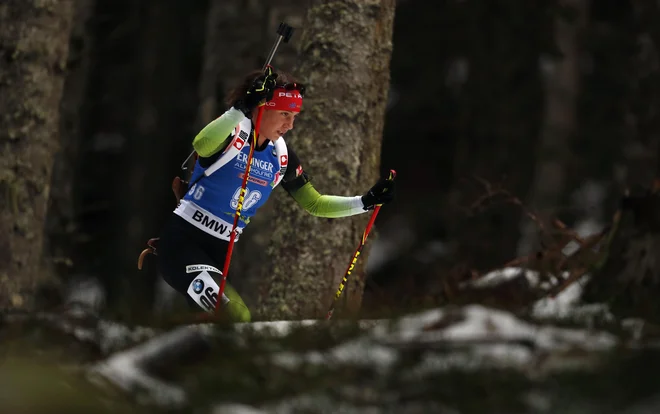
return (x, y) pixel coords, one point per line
(276, 123)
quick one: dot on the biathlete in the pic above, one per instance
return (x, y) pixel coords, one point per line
(192, 246)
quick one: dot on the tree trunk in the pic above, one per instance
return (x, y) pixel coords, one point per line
(629, 277)
(338, 138)
(628, 280)
(498, 109)
(641, 143)
(227, 39)
(62, 225)
(159, 130)
(34, 42)
(140, 109)
(562, 75)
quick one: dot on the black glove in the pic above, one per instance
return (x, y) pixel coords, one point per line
(260, 92)
(381, 193)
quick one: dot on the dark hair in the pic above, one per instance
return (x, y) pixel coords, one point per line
(240, 90)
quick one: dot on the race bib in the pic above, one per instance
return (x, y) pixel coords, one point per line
(204, 291)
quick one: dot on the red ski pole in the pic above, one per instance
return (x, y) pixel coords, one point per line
(351, 264)
(285, 32)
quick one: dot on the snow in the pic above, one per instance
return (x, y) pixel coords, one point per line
(566, 305)
(125, 369)
(284, 328)
(468, 338)
(499, 276)
(87, 292)
(276, 328)
(584, 228)
(235, 409)
(115, 336)
(473, 337)
(479, 323)
(359, 352)
(473, 358)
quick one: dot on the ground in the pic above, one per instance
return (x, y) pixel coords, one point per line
(558, 356)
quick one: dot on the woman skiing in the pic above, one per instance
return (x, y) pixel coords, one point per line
(193, 244)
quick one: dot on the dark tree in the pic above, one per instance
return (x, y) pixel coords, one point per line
(34, 44)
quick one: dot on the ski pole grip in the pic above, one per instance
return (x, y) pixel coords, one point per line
(285, 31)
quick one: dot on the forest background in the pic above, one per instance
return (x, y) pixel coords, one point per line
(498, 116)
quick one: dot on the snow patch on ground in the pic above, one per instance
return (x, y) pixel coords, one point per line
(499, 276)
(470, 338)
(87, 292)
(362, 352)
(275, 328)
(235, 409)
(566, 305)
(126, 369)
(477, 323)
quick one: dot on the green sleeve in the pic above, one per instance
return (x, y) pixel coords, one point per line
(328, 206)
(216, 134)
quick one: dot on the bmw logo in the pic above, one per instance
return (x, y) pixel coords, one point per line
(198, 286)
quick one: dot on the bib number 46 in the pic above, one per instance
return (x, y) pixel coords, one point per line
(251, 198)
(209, 299)
(196, 191)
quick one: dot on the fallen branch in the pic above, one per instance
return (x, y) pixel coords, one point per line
(551, 259)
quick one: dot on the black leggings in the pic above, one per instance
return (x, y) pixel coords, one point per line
(191, 261)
